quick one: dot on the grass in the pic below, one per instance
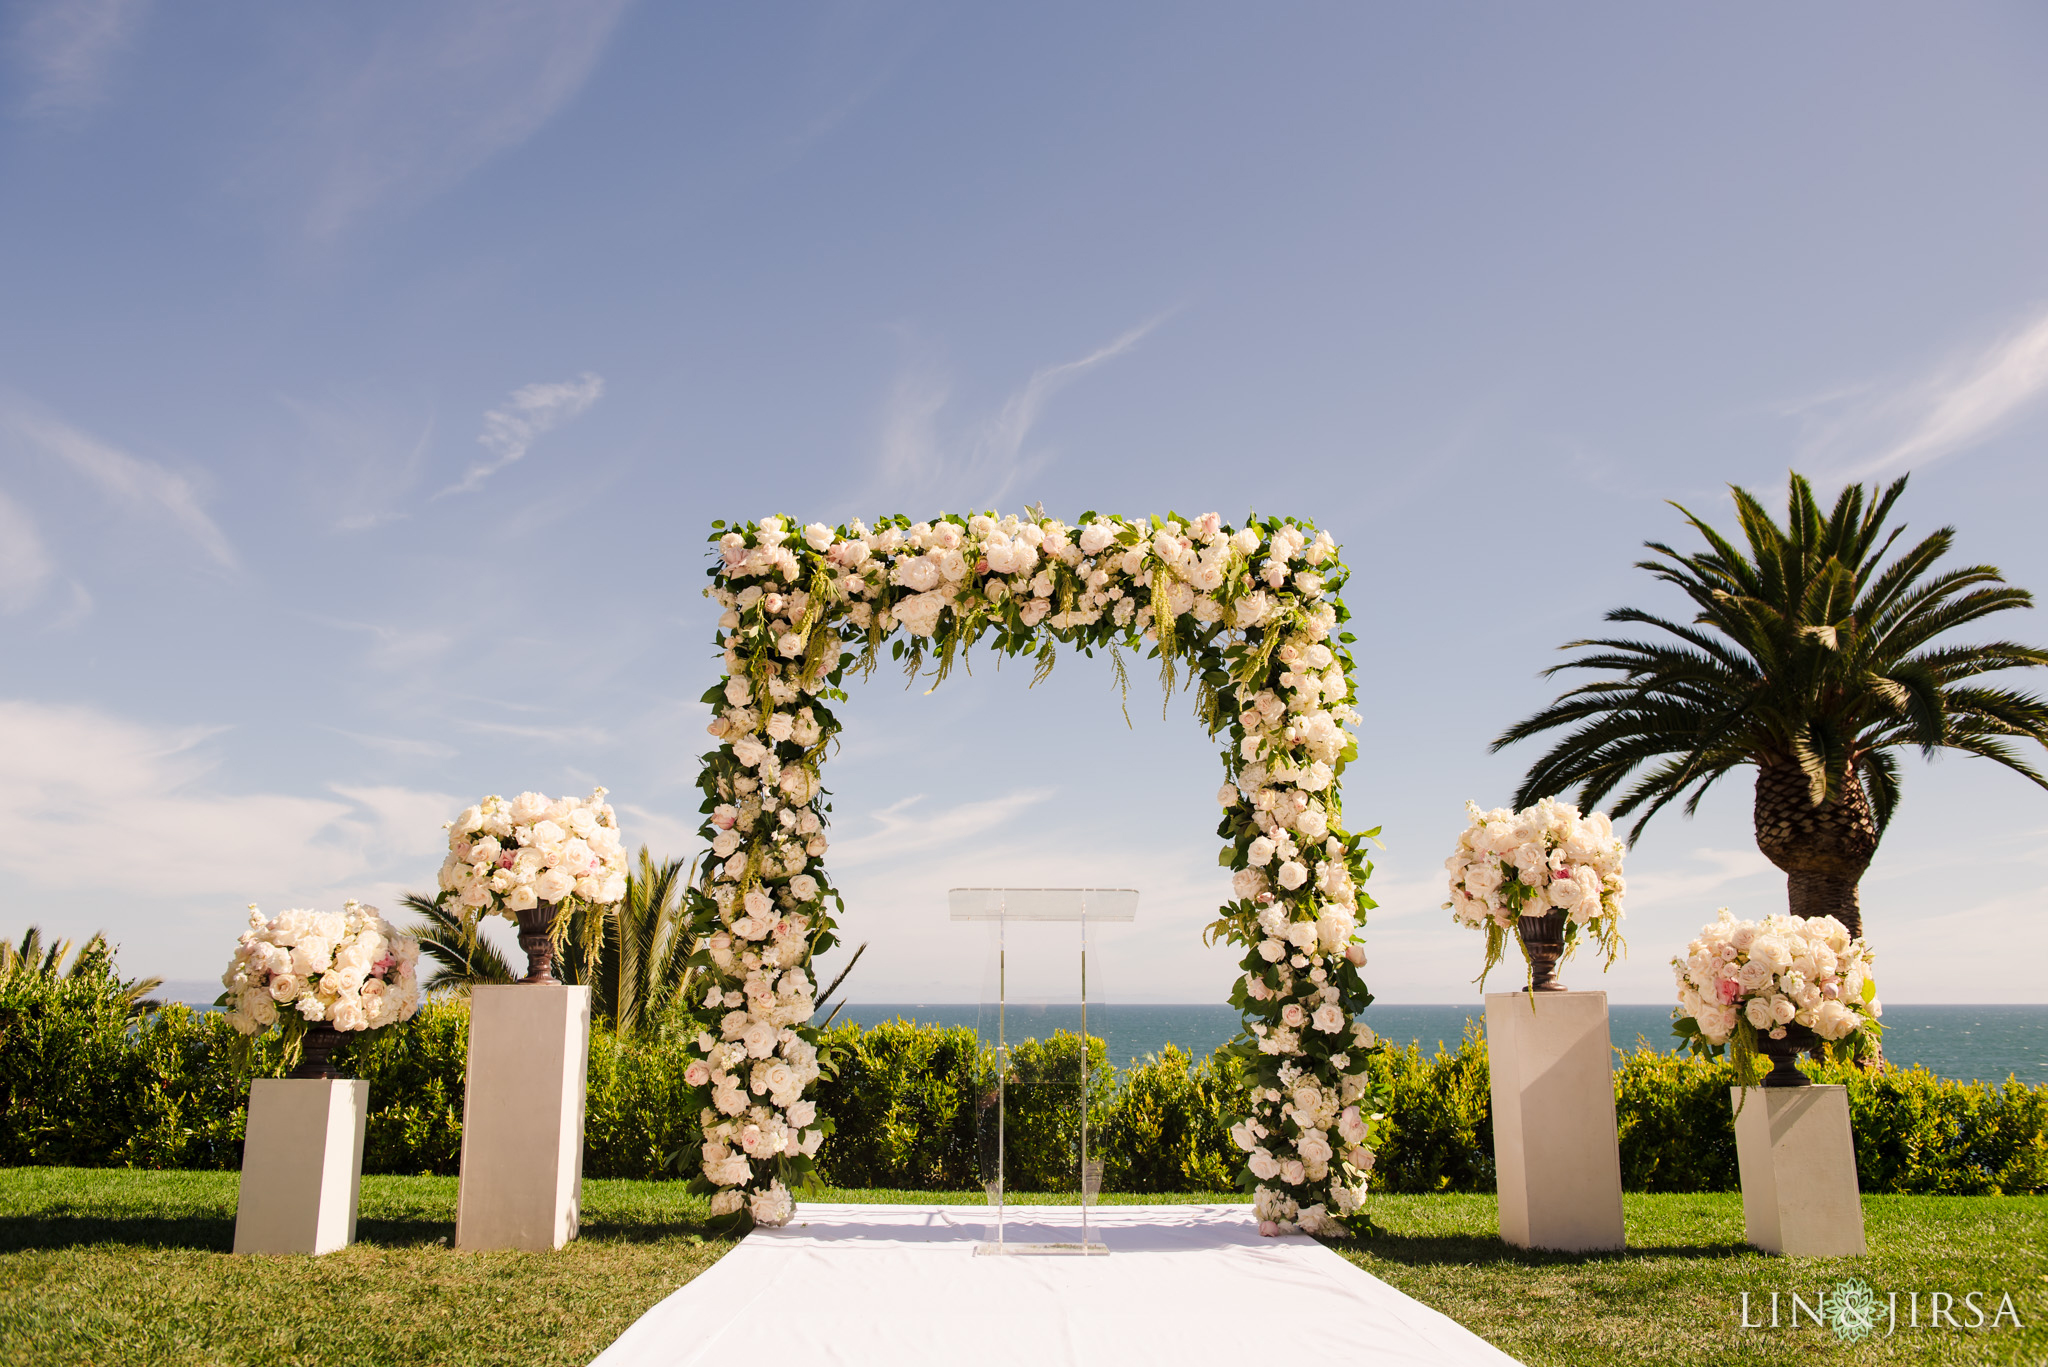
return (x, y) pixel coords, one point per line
(111, 1266)
(122, 1267)
(1675, 1296)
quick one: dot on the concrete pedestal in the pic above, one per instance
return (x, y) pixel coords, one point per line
(1556, 1154)
(1798, 1163)
(302, 1165)
(522, 1117)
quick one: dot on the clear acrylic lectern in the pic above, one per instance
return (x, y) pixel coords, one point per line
(1032, 1098)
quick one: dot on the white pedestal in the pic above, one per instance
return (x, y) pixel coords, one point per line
(1556, 1154)
(1798, 1163)
(522, 1117)
(302, 1165)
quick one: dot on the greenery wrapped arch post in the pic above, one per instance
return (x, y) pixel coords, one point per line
(1251, 617)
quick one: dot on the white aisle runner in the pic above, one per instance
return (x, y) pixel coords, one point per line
(900, 1286)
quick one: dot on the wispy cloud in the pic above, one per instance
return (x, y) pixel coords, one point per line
(365, 456)
(69, 47)
(899, 831)
(140, 483)
(586, 737)
(1871, 429)
(989, 459)
(436, 92)
(24, 564)
(97, 801)
(396, 647)
(509, 432)
(400, 746)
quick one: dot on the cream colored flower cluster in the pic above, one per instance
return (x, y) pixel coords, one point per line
(353, 970)
(1528, 863)
(915, 575)
(1306, 1136)
(1250, 607)
(1780, 971)
(507, 857)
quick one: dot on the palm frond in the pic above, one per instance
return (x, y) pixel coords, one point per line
(1817, 640)
(462, 957)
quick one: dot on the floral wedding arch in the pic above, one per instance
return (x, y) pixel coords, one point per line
(1250, 615)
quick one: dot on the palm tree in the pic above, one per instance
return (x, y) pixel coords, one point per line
(1812, 657)
(95, 958)
(649, 971)
(462, 957)
(634, 956)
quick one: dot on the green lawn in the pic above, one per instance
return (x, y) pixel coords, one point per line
(122, 1267)
(1675, 1296)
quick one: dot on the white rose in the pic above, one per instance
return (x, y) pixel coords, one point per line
(1261, 853)
(1293, 874)
(759, 1037)
(818, 537)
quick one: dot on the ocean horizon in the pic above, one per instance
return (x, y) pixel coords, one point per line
(1981, 1043)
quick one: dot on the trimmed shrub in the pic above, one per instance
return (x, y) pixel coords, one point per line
(902, 1106)
(1441, 1109)
(1167, 1125)
(82, 1082)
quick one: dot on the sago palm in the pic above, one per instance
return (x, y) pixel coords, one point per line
(1814, 655)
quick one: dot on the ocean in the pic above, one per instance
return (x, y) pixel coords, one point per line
(1980, 1043)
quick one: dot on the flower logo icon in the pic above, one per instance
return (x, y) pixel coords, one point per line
(1852, 1310)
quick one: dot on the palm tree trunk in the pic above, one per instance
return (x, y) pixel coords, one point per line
(1822, 849)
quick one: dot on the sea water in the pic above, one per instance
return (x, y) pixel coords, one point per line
(1986, 1043)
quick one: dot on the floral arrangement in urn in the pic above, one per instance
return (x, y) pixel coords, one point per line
(1546, 875)
(533, 860)
(507, 857)
(314, 973)
(1250, 616)
(1777, 987)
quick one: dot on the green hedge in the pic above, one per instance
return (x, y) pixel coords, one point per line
(84, 1083)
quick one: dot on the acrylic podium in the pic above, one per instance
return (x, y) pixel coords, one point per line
(1036, 1080)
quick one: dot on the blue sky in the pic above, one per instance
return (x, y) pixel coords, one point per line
(369, 377)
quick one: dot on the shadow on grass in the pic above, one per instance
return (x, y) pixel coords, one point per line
(216, 1234)
(207, 1233)
(637, 1232)
(1472, 1250)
